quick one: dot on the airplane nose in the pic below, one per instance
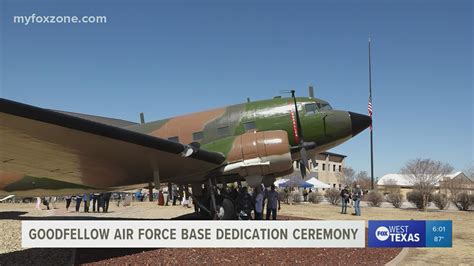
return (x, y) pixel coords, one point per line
(359, 122)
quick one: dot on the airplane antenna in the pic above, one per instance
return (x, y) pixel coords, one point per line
(311, 91)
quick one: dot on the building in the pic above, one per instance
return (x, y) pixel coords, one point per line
(405, 184)
(459, 181)
(328, 169)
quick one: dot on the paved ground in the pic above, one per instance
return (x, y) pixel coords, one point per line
(11, 214)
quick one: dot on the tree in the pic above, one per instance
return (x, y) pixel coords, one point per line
(347, 177)
(394, 196)
(363, 180)
(469, 171)
(456, 188)
(424, 175)
(333, 196)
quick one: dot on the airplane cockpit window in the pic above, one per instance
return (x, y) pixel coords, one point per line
(310, 108)
(324, 106)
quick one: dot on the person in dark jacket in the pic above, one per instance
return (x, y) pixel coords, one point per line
(356, 196)
(245, 203)
(273, 203)
(344, 199)
(78, 202)
(87, 199)
(106, 196)
(96, 201)
(68, 202)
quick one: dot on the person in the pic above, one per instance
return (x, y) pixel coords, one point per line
(106, 196)
(272, 203)
(138, 195)
(174, 194)
(356, 196)
(344, 199)
(259, 204)
(310, 190)
(100, 202)
(245, 203)
(185, 202)
(119, 198)
(305, 195)
(38, 203)
(46, 202)
(234, 194)
(86, 199)
(78, 202)
(68, 202)
(95, 201)
(53, 201)
(161, 198)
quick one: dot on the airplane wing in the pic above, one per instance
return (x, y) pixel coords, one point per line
(45, 152)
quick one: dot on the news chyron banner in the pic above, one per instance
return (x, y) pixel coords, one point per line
(193, 234)
(410, 233)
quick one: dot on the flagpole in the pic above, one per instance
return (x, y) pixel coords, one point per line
(371, 126)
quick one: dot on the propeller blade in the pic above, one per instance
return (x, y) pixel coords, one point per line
(304, 157)
(314, 162)
(302, 169)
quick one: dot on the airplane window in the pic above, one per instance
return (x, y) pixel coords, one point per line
(175, 139)
(198, 136)
(310, 108)
(250, 126)
(325, 106)
(223, 131)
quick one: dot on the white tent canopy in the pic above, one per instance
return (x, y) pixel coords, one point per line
(280, 181)
(317, 183)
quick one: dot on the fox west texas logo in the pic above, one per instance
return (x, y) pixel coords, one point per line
(382, 233)
(396, 233)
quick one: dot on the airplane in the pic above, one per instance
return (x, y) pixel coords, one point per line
(47, 152)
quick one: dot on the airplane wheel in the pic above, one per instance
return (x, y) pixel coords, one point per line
(226, 210)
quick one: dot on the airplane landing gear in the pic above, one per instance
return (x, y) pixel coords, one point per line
(215, 204)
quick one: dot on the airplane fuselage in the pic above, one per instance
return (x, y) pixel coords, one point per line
(216, 129)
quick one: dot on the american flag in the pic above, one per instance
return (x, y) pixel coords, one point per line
(369, 109)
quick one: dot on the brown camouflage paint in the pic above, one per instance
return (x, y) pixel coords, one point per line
(7, 178)
(184, 126)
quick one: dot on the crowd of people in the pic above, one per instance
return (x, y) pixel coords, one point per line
(246, 204)
(99, 201)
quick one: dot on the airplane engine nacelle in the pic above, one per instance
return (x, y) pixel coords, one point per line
(260, 154)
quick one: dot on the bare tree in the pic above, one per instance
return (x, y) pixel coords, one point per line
(469, 171)
(363, 180)
(424, 175)
(456, 187)
(347, 177)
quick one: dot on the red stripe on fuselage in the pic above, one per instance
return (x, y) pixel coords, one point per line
(293, 121)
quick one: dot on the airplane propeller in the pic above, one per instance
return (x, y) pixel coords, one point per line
(302, 146)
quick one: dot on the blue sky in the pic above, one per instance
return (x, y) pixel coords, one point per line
(166, 58)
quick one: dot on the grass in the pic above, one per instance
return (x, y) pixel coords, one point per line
(462, 251)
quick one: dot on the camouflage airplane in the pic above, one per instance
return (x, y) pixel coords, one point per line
(46, 152)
